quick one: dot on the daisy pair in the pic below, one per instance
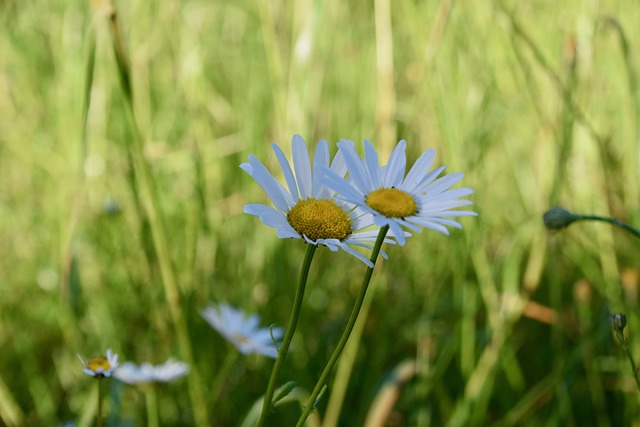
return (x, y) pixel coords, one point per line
(322, 207)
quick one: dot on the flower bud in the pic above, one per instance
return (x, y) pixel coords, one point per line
(618, 322)
(558, 218)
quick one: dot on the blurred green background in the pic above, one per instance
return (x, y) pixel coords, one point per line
(536, 102)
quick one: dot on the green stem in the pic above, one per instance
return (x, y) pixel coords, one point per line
(152, 406)
(634, 369)
(286, 341)
(618, 322)
(99, 419)
(311, 402)
(613, 221)
(222, 375)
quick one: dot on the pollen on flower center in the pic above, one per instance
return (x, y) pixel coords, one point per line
(392, 203)
(98, 364)
(239, 339)
(319, 219)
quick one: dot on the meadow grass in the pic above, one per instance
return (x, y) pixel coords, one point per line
(121, 213)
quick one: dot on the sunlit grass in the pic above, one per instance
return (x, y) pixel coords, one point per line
(536, 103)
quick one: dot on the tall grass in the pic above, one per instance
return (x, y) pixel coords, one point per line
(536, 102)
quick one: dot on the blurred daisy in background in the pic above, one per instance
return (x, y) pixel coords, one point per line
(419, 199)
(243, 331)
(307, 210)
(100, 366)
(132, 373)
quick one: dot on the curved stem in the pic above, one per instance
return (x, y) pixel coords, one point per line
(286, 341)
(613, 221)
(311, 402)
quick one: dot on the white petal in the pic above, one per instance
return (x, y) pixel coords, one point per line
(418, 171)
(373, 166)
(286, 171)
(321, 157)
(287, 233)
(269, 185)
(428, 178)
(338, 164)
(354, 166)
(443, 183)
(433, 226)
(257, 209)
(357, 254)
(340, 186)
(396, 167)
(398, 232)
(302, 166)
(443, 205)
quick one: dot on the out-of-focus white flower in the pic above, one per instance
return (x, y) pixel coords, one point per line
(100, 366)
(243, 331)
(132, 373)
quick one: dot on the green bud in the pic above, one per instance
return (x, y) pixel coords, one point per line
(618, 322)
(558, 218)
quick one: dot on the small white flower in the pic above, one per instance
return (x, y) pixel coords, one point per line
(413, 201)
(131, 373)
(308, 210)
(100, 366)
(242, 331)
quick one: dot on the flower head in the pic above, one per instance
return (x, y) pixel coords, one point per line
(242, 331)
(307, 210)
(100, 366)
(131, 373)
(558, 218)
(419, 199)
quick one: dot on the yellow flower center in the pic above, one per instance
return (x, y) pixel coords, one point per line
(392, 203)
(98, 364)
(239, 339)
(319, 219)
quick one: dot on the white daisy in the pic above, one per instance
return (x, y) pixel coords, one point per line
(413, 201)
(308, 209)
(131, 373)
(100, 366)
(242, 331)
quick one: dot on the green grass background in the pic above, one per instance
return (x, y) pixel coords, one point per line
(536, 102)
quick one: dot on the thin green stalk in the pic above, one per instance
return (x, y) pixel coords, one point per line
(151, 402)
(286, 341)
(345, 366)
(149, 200)
(618, 323)
(222, 375)
(518, 31)
(631, 185)
(67, 260)
(10, 412)
(613, 221)
(634, 369)
(99, 415)
(311, 402)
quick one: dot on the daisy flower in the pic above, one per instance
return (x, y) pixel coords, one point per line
(242, 331)
(131, 373)
(307, 210)
(100, 366)
(419, 199)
